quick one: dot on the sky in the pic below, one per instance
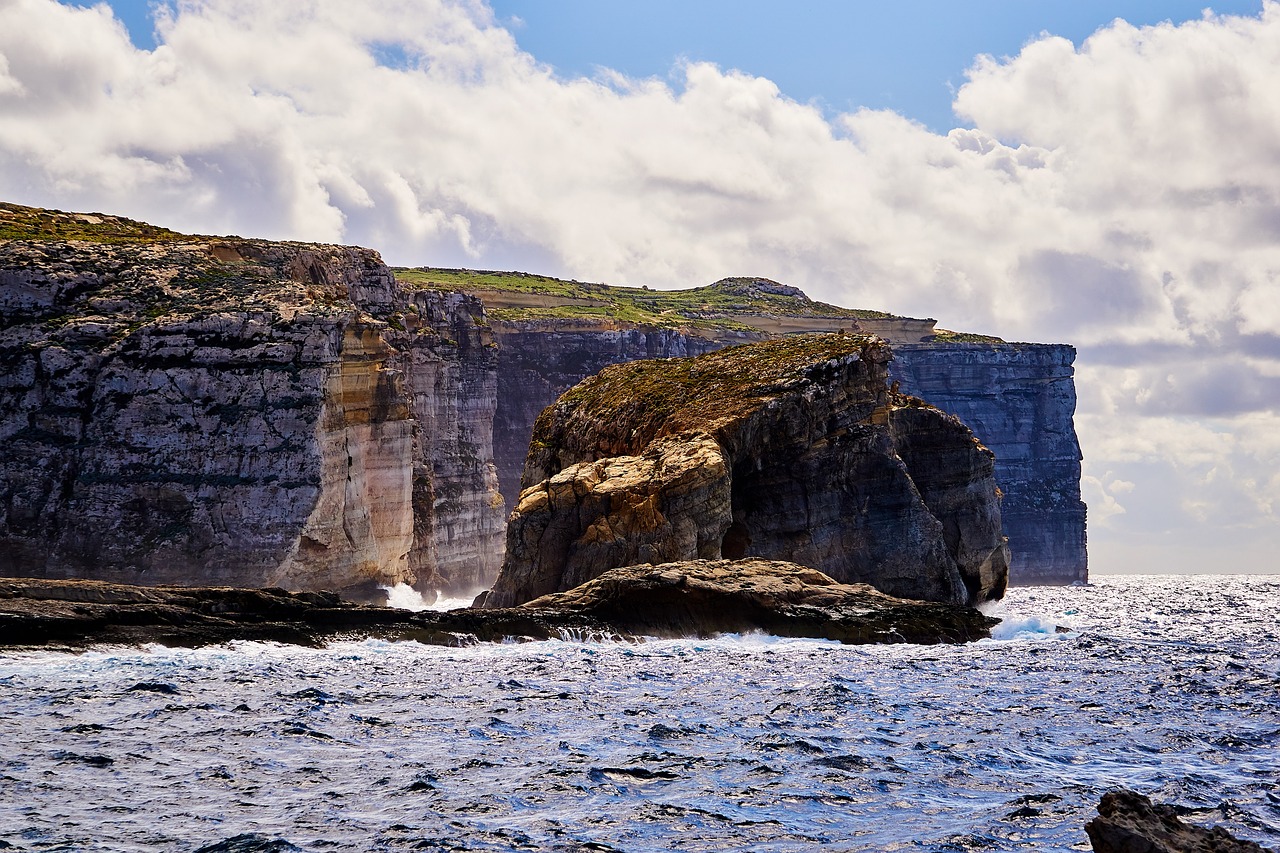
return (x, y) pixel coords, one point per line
(1105, 174)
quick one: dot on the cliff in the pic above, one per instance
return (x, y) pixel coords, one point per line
(1019, 399)
(195, 410)
(792, 450)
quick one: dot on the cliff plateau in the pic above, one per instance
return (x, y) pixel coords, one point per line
(193, 410)
(793, 450)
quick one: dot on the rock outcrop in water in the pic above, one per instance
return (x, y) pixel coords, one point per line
(219, 411)
(790, 450)
(1128, 822)
(675, 600)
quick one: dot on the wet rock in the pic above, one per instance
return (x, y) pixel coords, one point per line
(793, 450)
(693, 599)
(1128, 822)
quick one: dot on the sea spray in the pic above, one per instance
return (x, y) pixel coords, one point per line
(405, 597)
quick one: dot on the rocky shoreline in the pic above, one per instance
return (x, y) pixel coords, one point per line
(696, 598)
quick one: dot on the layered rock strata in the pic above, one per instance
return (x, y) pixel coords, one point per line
(222, 411)
(790, 450)
(673, 600)
(1019, 399)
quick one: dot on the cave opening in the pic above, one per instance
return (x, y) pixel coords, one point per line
(737, 539)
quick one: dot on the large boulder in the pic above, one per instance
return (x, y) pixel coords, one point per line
(793, 450)
(1128, 822)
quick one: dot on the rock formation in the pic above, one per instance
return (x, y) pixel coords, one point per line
(221, 411)
(673, 600)
(1019, 399)
(1128, 822)
(792, 449)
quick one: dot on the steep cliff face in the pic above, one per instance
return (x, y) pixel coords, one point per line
(1019, 399)
(200, 411)
(787, 450)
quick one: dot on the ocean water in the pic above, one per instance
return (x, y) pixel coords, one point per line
(1168, 685)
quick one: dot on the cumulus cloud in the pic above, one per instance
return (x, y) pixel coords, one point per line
(1123, 194)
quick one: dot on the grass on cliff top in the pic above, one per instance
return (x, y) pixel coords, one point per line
(717, 302)
(33, 223)
(646, 398)
(945, 336)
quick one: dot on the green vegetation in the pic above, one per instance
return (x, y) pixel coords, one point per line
(645, 398)
(523, 296)
(33, 223)
(944, 336)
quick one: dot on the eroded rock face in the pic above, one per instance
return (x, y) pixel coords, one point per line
(809, 436)
(205, 411)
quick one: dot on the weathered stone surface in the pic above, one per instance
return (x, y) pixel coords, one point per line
(222, 411)
(1019, 399)
(671, 502)
(703, 598)
(1128, 822)
(810, 435)
(540, 360)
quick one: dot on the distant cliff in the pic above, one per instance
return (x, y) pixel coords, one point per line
(206, 411)
(1020, 400)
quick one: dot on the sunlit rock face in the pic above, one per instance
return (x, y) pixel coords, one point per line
(821, 463)
(1019, 399)
(205, 411)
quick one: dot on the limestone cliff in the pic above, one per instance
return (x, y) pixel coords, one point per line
(791, 450)
(193, 410)
(1020, 400)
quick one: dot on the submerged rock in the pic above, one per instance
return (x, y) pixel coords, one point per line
(793, 450)
(1128, 822)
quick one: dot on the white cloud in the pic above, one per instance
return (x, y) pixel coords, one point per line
(1123, 195)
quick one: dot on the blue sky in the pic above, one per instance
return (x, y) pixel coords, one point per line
(909, 56)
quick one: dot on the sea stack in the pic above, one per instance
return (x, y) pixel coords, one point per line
(793, 449)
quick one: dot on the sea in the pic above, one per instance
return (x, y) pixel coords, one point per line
(1166, 685)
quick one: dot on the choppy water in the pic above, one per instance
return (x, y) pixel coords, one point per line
(1167, 685)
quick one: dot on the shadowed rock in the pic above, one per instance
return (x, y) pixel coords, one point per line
(1128, 822)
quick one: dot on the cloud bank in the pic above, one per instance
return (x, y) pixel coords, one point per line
(1122, 195)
